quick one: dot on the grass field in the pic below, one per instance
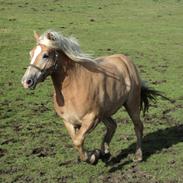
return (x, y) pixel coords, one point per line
(34, 145)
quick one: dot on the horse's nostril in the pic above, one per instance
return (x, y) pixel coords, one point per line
(29, 82)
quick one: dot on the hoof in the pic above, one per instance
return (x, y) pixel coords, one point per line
(93, 157)
(106, 157)
(138, 157)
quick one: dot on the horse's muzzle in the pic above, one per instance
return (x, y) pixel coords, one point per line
(28, 83)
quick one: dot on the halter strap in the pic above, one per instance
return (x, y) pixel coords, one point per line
(36, 67)
(43, 71)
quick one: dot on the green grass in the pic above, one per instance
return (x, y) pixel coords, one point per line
(34, 145)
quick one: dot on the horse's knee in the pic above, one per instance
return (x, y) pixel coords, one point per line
(77, 143)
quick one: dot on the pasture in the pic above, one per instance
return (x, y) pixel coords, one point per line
(34, 144)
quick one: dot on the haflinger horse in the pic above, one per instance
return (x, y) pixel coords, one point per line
(88, 91)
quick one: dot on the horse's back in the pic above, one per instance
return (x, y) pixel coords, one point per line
(120, 65)
(121, 81)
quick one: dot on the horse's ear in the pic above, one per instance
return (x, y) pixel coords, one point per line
(36, 35)
(50, 36)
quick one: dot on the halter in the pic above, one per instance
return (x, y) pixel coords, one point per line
(43, 71)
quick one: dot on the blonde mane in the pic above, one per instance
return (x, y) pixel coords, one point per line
(69, 45)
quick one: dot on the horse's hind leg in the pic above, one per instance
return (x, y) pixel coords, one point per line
(133, 109)
(111, 128)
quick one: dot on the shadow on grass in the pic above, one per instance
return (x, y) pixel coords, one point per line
(154, 142)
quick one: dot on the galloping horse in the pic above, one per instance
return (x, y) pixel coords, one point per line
(88, 90)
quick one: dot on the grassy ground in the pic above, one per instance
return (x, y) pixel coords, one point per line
(34, 145)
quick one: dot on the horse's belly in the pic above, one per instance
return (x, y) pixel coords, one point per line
(114, 95)
(111, 107)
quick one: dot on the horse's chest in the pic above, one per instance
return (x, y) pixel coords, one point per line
(66, 112)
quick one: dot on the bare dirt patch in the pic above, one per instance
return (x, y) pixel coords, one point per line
(131, 175)
(43, 151)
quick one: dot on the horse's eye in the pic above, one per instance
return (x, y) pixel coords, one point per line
(45, 56)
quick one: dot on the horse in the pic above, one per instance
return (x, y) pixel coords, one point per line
(88, 91)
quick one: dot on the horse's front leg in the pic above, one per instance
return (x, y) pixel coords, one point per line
(78, 143)
(78, 137)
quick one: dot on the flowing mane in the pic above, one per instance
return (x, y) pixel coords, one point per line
(69, 45)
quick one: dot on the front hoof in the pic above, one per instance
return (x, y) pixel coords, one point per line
(93, 157)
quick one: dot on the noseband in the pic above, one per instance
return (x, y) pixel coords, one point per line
(49, 71)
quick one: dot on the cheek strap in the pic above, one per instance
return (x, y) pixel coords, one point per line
(43, 71)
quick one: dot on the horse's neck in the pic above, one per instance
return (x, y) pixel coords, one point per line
(66, 74)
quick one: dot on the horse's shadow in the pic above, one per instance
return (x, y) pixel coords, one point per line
(154, 142)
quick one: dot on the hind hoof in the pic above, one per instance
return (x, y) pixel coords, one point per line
(106, 157)
(138, 156)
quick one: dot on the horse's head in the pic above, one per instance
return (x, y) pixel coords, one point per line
(43, 63)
